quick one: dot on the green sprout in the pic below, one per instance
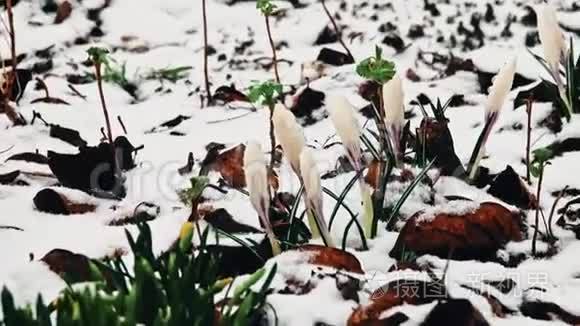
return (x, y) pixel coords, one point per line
(265, 93)
(115, 73)
(171, 74)
(191, 194)
(98, 55)
(541, 159)
(376, 68)
(266, 7)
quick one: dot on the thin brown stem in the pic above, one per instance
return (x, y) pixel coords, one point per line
(205, 55)
(337, 31)
(6, 108)
(12, 36)
(122, 124)
(274, 57)
(537, 219)
(102, 96)
(529, 104)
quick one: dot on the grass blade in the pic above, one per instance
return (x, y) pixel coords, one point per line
(240, 242)
(408, 191)
(340, 199)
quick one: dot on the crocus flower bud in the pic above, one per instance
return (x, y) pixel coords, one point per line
(289, 135)
(501, 87)
(257, 183)
(313, 196)
(551, 37)
(393, 98)
(343, 116)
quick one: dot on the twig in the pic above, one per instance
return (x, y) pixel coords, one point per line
(229, 119)
(274, 57)
(205, 55)
(122, 124)
(12, 36)
(6, 150)
(529, 104)
(10, 227)
(76, 91)
(337, 31)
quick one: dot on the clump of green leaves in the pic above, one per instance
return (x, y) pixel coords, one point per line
(542, 156)
(192, 194)
(170, 74)
(266, 7)
(376, 68)
(177, 288)
(265, 93)
(116, 73)
(98, 55)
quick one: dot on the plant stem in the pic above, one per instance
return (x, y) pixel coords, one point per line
(6, 107)
(529, 104)
(102, 96)
(12, 36)
(272, 138)
(337, 31)
(479, 148)
(274, 57)
(205, 55)
(537, 220)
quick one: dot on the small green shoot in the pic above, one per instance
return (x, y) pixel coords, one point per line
(266, 7)
(170, 74)
(192, 194)
(376, 68)
(265, 93)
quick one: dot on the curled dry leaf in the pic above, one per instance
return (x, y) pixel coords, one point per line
(394, 294)
(455, 312)
(230, 164)
(53, 202)
(332, 257)
(509, 187)
(476, 235)
(63, 12)
(71, 267)
(434, 136)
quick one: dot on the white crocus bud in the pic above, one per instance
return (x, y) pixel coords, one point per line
(502, 85)
(343, 116)
(289, 135)
(313, 196)
(551, 37)
(393, 98)
(257, 183)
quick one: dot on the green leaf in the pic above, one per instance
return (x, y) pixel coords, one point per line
(542, 155)
(266, 7)
(265, 93)
(98, 55)
(376, 68)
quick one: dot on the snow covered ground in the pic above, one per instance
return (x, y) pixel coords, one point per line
(152, 34)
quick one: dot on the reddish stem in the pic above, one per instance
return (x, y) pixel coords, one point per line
(337, 31)
(205, 55)
(274, 57)
(102, 96)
